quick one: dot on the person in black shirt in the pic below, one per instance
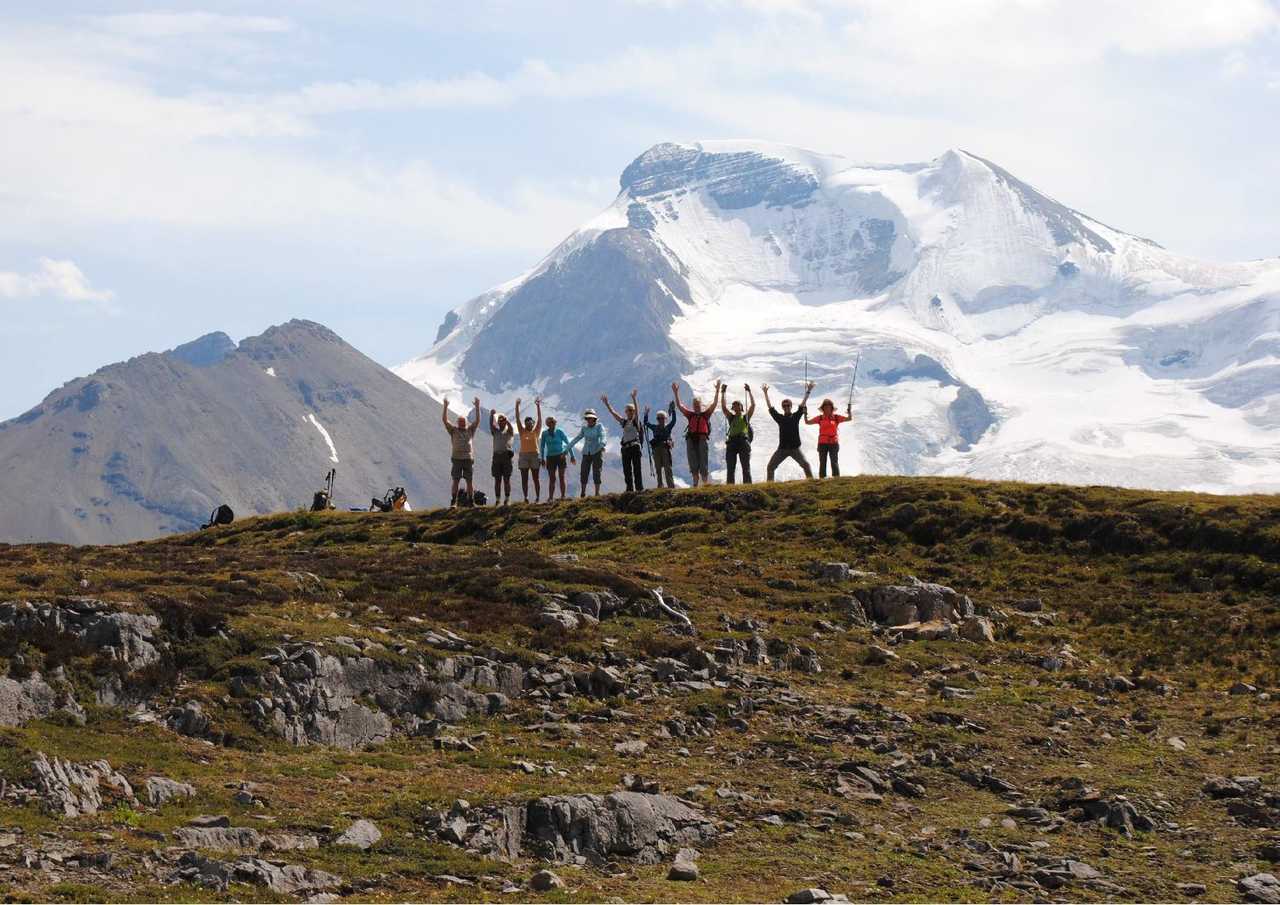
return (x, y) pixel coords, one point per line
(788, 433)
(660, 443)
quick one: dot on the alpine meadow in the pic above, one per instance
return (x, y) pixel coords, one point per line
(802, 451)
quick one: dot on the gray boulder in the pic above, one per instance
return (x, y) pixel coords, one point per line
(813, 896)
(632, 825)
(363, 834)
(977, 629)
(188, 719)
(1263, 888)
(685, 866)
(285, 879)
(71, 789)
(831, 572)
(160, 789)
(545, 881)
(219, 838)
(918, 602)
(30, 699)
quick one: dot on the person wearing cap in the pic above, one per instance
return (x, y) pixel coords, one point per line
(591, 436)
(697, 435)
(660, 443)
(829, 435)
(553, 446)
(632, 441)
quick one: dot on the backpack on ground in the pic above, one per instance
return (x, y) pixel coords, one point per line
(393, 500)
(220, 516)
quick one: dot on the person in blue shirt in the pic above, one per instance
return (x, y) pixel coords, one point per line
(660, 443)
(553, 446)
(591, 436)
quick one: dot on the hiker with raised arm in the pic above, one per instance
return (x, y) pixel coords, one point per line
(529, 461)
(503, 455)
(737, 444)
(553, 447)
(591, 436)
(788, 432)
(697, 434)
(660, 443)
(462, 454)
(829, 435)
(632, 441)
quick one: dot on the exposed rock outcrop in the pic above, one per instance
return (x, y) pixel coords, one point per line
(30, 699)
(72, 789)
(309, 697)
(100, 627)
(645, 828)
(286, 879)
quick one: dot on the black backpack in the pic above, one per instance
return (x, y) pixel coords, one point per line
(220, 516)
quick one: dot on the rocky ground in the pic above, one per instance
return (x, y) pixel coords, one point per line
(885, 689)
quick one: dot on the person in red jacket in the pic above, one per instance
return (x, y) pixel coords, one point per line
(829, 435)
(697, 436)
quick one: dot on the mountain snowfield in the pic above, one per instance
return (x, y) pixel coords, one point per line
(1001, 333)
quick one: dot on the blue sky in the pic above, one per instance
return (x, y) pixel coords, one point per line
(170, 170)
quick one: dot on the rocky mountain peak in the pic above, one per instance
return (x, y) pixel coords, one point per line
(205, 351)
(736, 176)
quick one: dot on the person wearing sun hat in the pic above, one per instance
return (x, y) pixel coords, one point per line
(591, 436)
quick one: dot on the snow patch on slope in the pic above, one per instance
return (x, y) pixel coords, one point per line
(333, 450)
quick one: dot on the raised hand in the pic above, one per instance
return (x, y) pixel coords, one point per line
(604, 399)
(675, 387)
(518, 401)
(747, 387)
(476, 402)
(810, 385)
(646, 411)
(765, 387)
(634, 392)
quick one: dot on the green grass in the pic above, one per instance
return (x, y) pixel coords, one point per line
(1180, 587)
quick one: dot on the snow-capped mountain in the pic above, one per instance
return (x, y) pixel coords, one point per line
(153, 444)
(1001, 333)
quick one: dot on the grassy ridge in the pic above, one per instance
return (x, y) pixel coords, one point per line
(1177, 588)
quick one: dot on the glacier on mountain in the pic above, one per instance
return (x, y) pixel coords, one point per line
(1002, 334)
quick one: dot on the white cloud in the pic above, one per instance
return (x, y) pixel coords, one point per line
(53, 278)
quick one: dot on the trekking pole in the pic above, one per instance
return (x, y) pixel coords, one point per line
(854, 382)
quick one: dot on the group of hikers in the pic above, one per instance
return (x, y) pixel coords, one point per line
(544, 444)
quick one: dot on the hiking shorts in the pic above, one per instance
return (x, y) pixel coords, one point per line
(528, 461)
(556, 463)
(461, 470)
(698, 450)
(501, 467)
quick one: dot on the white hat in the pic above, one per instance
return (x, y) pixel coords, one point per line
(590, 413)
